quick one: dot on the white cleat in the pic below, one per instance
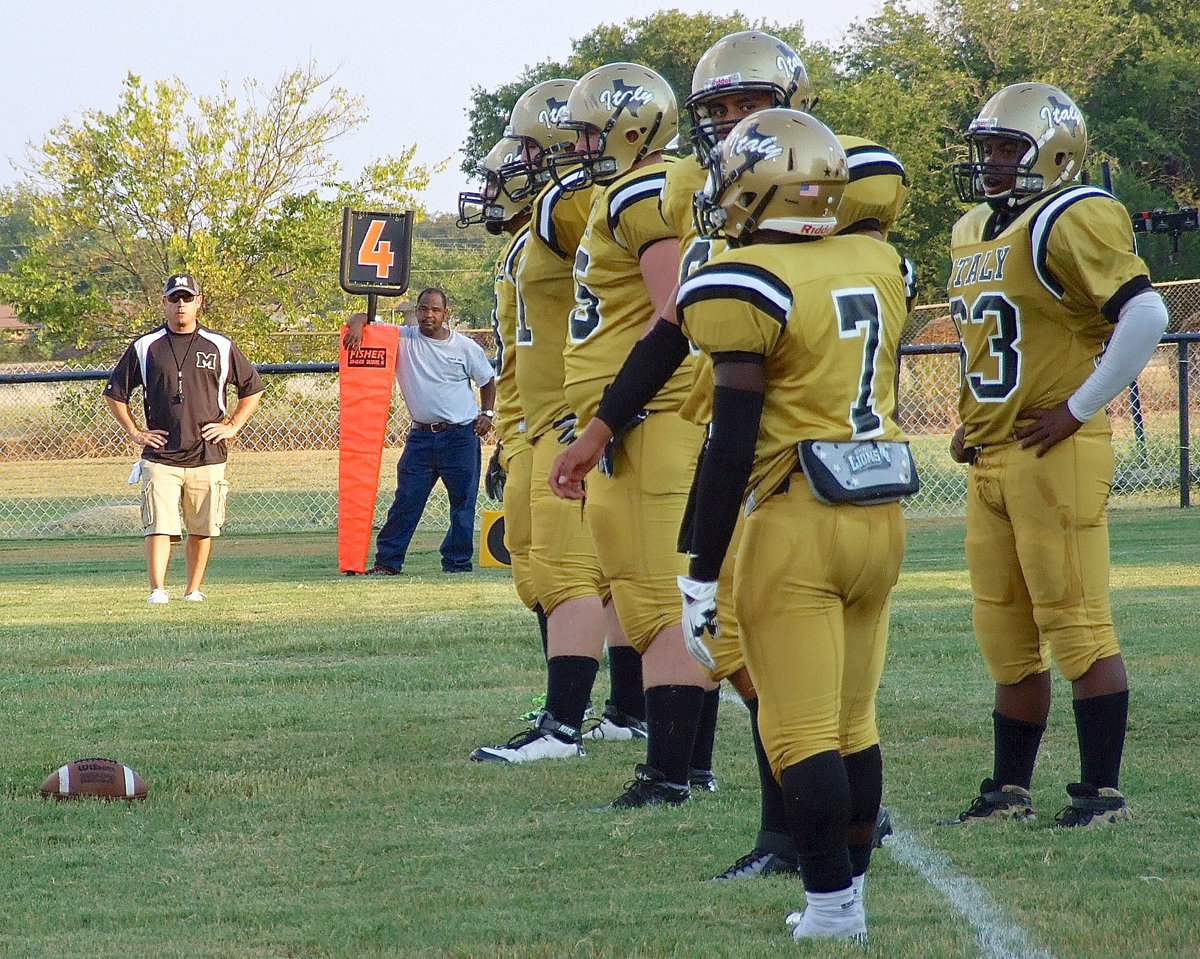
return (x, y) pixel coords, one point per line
(830, 920)
(540, 742)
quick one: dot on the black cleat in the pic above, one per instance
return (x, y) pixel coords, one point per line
(649, 787)
(759, 862)
(883, 828)
(995, 803)
(703, 780)
(1092, 807)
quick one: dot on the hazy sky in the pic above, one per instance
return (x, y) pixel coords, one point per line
(413, 62)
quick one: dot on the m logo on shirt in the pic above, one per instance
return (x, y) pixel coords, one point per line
(206, 361)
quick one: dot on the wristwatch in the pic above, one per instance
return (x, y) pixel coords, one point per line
(490, 414)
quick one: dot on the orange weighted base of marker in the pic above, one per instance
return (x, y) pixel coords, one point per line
(365, 378)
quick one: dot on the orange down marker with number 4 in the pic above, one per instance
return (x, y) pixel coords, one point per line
(365, 378)
(375, 253)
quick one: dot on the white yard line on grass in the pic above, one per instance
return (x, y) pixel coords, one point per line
(999, 937)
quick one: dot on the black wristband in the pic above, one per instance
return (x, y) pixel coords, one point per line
(645, 371)
(728, 461)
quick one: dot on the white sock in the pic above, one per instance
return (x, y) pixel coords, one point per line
(831, 904)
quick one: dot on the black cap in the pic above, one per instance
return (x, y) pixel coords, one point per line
(184, 282)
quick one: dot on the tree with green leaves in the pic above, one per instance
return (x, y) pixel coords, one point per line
(913, 78)
(669, 42)
(241, 192)
(461, 263)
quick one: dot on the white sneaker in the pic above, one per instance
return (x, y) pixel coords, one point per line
(194, 597)
(158, 596)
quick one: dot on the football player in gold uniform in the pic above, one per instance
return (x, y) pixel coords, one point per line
(738, 75)
(566, 574)
(803, 330)
(1043, 276)
(626, 265)
(498, 212)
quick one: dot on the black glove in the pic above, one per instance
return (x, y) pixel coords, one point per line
(494, 478)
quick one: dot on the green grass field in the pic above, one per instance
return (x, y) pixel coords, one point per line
(305, 739)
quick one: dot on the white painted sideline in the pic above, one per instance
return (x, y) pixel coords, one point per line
(998, 936)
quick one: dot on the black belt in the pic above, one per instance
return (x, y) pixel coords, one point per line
(971, 454)
(439, 427)
(786, 485)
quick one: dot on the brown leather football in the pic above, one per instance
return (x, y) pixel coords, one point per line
(98, 778)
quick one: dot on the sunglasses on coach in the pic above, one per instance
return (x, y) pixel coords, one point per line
(181, 298)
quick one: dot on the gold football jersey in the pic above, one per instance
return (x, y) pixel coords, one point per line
(1028, 303)
(509, 414)
(683, 180)
(545, 299)
(878, 189)
(612, 307)
(827, 315)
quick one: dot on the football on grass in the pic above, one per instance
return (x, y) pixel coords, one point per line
(97, 778)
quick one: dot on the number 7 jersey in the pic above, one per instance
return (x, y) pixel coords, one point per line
(827, 316)
(1035, 302)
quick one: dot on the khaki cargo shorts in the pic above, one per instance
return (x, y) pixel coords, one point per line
(198, 492)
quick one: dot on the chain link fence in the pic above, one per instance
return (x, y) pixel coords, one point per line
(64, 461)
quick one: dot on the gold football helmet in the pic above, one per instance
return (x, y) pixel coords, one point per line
(495, 206)
(877, 189)
(750, 60)
(632, 112)
(1046, 121)
(534, 121)
(777, 169)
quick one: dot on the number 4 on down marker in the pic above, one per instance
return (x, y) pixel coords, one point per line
(375, 252)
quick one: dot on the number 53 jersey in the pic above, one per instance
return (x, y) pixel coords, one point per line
(1034, 302)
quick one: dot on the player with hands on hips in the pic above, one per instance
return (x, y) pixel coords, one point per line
(1057, 316)
(183, 370)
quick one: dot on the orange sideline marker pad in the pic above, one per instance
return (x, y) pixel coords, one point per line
(365, 379)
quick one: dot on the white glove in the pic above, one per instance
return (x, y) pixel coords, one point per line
(699, 617)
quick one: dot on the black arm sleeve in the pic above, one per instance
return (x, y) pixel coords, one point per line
(645, 371)
(728, 460)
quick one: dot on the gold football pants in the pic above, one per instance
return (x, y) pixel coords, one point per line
(1037, 551)
(813, 588)
(562, 558)
(634, 517)
(518, 533)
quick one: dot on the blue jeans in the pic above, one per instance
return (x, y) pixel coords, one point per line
(453, 457)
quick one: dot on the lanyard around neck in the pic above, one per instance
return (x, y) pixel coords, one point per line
(178, 362)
